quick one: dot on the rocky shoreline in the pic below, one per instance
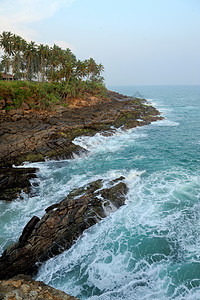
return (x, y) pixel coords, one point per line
(36, 136)
(32, 136)
(60, 226)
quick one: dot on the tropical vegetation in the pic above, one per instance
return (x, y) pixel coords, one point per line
(51, 74)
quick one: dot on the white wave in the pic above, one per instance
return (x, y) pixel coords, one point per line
(139, 157)
(130, 254)
(163, 108)
(56, 180)
(112, 143)
(155, 102)
(165, 122)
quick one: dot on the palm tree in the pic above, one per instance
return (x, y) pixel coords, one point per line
(91, 68)
(54, 62)
(96, 73)
(19, 66)
(16, 46)
(81, 69)
(30, 61)
(100, 69)
(46, 61)
(21, 60)
(41, 57)
(9, 43)
(5, 62)
(6, 41)
(3, 40)
(6, 44)
(69, 65)
(29, 54)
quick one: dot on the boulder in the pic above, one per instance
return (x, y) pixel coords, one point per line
(60, 226)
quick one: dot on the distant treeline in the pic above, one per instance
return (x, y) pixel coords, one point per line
(28, 61)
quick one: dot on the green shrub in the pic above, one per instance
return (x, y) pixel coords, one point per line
(47, 95)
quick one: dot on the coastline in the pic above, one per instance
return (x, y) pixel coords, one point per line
(36, 136)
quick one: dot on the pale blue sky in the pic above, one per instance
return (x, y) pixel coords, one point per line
(143, 42)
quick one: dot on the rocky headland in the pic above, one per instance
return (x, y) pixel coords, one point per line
(39, 120)
(27, 135)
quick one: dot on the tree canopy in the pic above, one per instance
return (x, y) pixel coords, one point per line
(42, 63)
(46, 76)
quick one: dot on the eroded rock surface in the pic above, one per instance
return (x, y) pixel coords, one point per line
(62, 224)
(36, 136)
(15, 180)
(27, 135)
(24, 287)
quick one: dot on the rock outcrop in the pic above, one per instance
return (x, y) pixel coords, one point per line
(24, 287)
(62, 224)
(15, 180)
(37, 136)
(27, 135)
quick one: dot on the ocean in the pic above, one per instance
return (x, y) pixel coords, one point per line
(149, 248)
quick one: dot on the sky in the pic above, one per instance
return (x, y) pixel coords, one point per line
(139, 42)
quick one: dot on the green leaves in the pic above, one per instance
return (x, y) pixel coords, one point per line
(47, 75)
(29, 61)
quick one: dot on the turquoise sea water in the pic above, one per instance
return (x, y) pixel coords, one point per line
(149, 248)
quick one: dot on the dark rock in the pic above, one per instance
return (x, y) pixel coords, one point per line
(118, 179)
(115, 194)
(28, 229)
(53, 206)
(34, 136)
(62, 224)
(15, 180)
